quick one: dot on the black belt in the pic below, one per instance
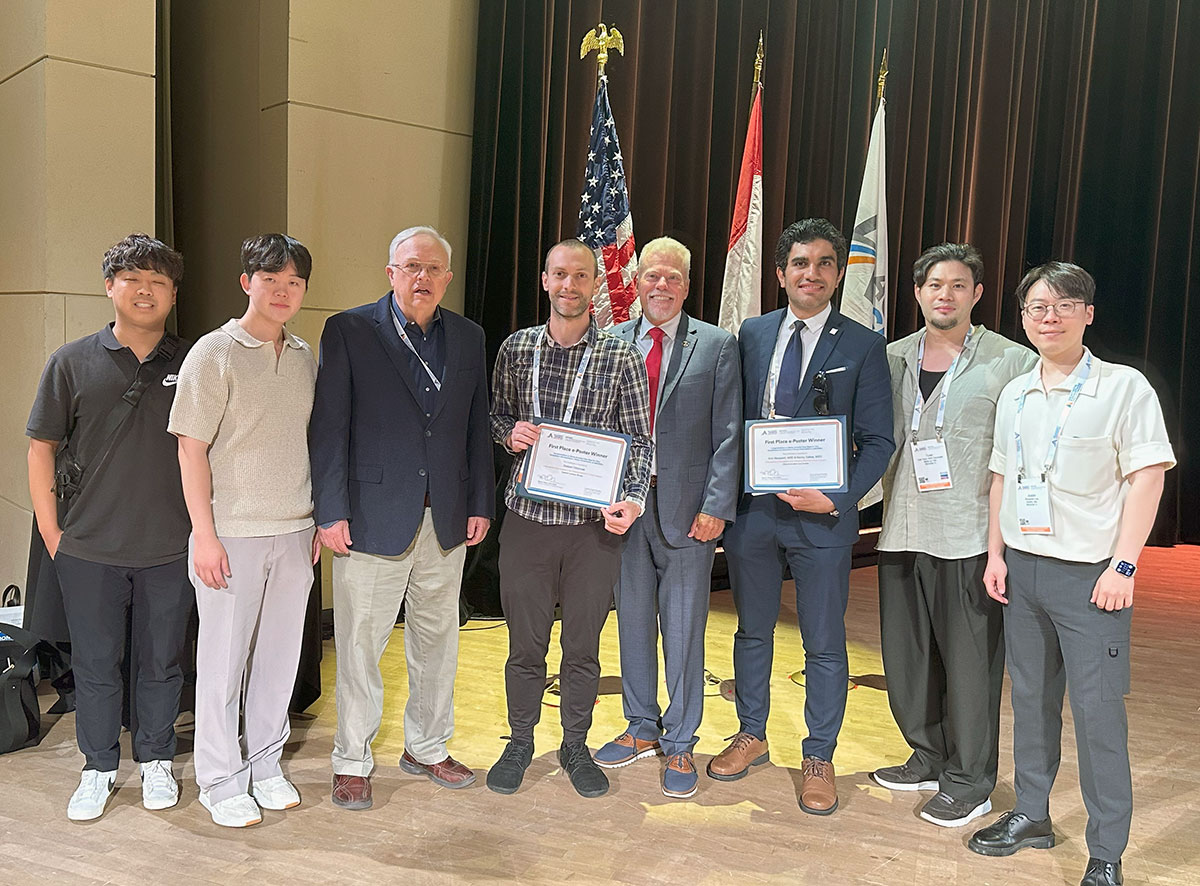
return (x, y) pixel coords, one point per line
(653, 480)
(427, 500)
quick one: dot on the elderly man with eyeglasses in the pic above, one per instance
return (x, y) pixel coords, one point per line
(403, 483)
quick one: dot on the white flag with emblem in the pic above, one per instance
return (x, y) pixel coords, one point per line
(864, 294)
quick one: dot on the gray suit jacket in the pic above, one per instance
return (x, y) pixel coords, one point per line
(698, 430)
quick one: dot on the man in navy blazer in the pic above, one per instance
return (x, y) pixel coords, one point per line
(666, 566)
(402, 477)
(804, 360)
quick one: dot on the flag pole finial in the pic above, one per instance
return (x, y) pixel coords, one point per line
(602, 38)
(883, 72)
(758, 61)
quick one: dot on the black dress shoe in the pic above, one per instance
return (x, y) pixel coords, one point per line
(1102, 873)
(586, 777)
(509, 771)
(1012, 831)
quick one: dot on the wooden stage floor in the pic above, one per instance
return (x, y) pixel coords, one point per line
(749, 831)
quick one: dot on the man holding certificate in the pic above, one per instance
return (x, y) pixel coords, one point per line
(696, 405)
(572, 404)
(818, 405)
(943, 650)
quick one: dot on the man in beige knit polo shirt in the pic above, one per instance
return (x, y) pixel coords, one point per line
(241, 415)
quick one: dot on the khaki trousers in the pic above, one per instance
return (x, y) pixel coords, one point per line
(367, 592)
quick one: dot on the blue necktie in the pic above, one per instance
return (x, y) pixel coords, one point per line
(787, 389)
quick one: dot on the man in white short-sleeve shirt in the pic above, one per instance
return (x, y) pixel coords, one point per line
(1078, 458)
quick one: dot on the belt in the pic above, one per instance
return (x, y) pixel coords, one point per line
(653, 480)
(427, 500)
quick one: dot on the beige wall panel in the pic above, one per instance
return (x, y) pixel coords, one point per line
(273, 177)
(100, 157)
(114, 33)
(22, 34)
(367, 56)
(23, 181)
(272, 52)
(86, 313)
(309, 324)
(354, 182)
(31, 331)
(14, 553)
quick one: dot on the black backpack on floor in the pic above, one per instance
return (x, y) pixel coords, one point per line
(20, 717)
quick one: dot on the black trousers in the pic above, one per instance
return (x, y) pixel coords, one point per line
(943, 654)
(576, 568)
(100, 601)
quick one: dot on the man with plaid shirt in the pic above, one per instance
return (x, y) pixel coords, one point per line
(553, 553)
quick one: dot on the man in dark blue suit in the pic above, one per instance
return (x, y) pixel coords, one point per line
(402, 477)
(804, 360)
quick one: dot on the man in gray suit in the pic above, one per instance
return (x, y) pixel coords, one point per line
(696, 411)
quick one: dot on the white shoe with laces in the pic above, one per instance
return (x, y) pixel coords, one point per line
(159, 788)
(275, 793)
(90, 798)
(238, 811)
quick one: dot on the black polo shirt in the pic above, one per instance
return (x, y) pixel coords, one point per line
(131, 512)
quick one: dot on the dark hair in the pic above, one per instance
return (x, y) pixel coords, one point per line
(142, 252)
(272, 252)
(806, 231)
(574, 243)
(1065, 279)
(959, 252)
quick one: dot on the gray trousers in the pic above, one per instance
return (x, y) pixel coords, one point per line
(663, 589)
(943, 654)
(367, 592)
(1057, 639)
(576, 568)
(247, 652)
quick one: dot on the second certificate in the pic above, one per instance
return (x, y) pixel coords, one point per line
(803, 453)
(574, 464)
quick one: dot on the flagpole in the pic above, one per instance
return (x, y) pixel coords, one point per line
(758, 66)
(883, 72)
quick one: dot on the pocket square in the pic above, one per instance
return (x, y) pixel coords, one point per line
(835, 369)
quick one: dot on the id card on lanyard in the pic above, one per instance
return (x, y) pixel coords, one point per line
(575, 385)
(1033, 492)
(931, 461)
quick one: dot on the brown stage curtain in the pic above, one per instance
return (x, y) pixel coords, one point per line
(1035, 130)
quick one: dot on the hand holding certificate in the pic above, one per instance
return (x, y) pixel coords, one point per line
(797, 453)
(575, 465)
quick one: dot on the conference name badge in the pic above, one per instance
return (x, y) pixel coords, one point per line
(1033, 507)
(931, 464)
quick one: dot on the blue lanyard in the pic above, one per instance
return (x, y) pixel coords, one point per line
(537, 376)
(1062, 419)
(946, 380)
(404, 338)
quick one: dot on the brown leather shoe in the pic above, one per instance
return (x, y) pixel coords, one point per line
(352, 791)
(449, 773)
(735, 761)
(818, 793)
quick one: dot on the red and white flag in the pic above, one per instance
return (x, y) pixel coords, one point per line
(741, 292)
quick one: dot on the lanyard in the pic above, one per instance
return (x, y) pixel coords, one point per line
(776, 368)
(1062, 419)
(946, 380)
(575, 386)
(404, 338)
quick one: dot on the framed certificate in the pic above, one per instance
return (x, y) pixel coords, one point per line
(797, 453)
(574, 464)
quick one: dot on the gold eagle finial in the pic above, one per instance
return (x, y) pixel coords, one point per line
(605, 40)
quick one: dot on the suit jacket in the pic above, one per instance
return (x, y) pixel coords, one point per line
(374, 452)
(855, 363)
(698, 430)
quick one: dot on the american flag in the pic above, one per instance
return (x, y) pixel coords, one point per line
(605, 223)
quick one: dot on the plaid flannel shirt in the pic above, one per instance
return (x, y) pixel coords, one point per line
(614, 396)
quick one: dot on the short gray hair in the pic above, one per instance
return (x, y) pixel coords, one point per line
(668, 247)
(409, 233)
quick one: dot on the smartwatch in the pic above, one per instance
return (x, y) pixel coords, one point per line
(1126, 568)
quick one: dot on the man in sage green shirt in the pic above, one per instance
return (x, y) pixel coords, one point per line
(942, 637)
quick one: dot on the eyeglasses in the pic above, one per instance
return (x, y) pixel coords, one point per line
(820, 384)
(414, 269)
(1063, 307)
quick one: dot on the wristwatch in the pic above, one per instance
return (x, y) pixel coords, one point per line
(1126, 568)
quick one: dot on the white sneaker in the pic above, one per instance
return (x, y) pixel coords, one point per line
(92, 795)
(159, 789)
(275, 793)
(239, 811)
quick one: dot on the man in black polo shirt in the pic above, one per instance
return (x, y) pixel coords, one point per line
(121, 548)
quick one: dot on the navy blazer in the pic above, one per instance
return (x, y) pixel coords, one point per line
(373, 451)
(855, 363)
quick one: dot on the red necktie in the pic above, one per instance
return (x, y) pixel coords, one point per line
(653, 365)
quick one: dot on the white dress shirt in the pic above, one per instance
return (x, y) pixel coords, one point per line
(810, 334)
